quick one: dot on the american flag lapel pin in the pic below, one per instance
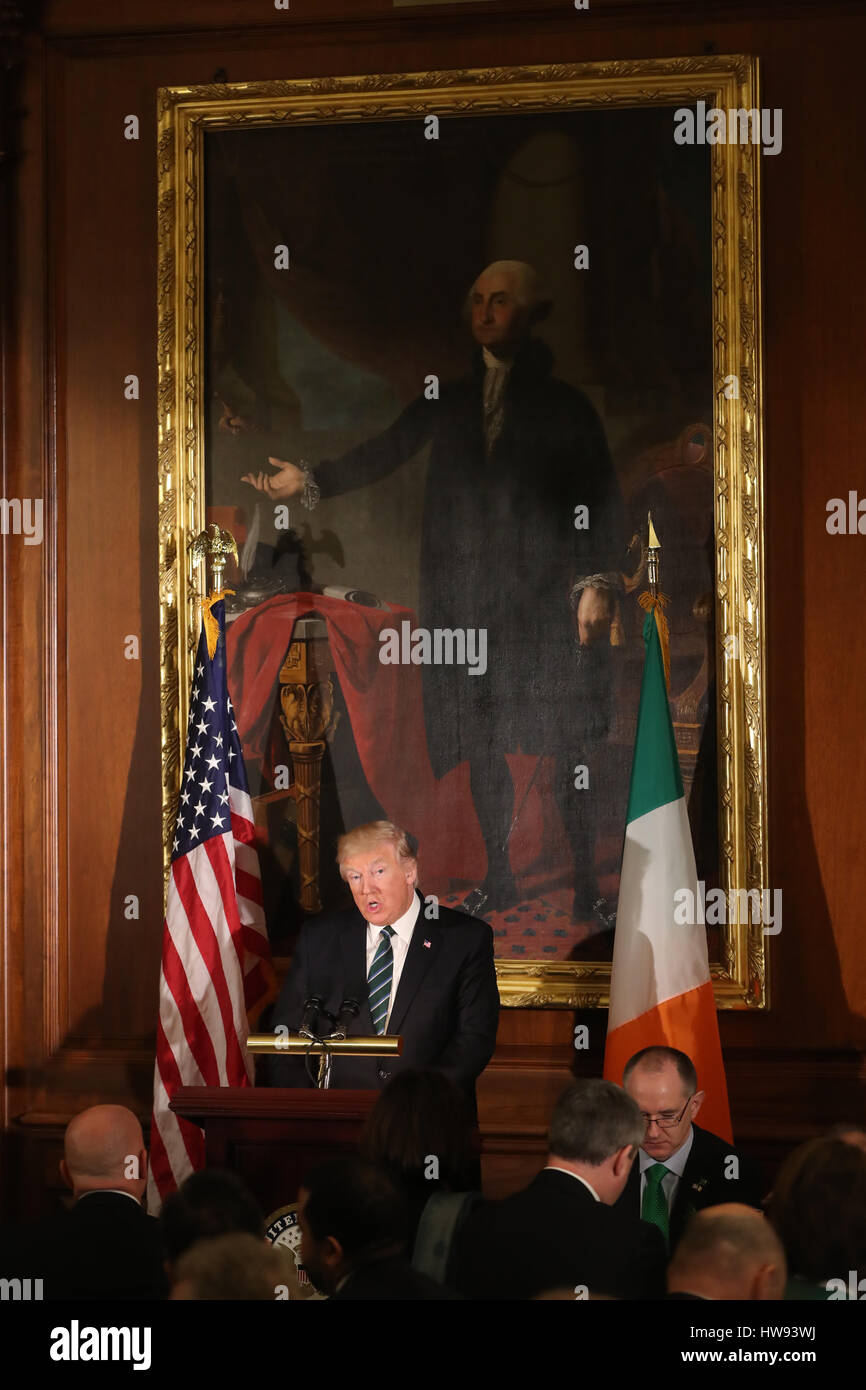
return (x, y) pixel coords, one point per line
(427, 944)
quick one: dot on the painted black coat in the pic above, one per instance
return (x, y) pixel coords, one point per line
(500, 551)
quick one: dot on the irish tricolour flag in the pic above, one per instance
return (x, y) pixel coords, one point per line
(660, 989)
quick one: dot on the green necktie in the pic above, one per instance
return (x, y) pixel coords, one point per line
(654, 1206)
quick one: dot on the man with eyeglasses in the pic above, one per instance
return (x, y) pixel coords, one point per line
(681, 1168)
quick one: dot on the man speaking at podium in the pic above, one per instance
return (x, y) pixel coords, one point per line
(385, 966)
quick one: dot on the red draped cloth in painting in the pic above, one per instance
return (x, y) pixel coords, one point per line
(386, 712)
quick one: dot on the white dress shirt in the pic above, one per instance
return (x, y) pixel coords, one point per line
(675, 1164)
(403, 929)
(552, 1168)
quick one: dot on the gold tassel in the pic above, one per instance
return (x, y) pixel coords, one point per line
(617, 636)
(656, 606)
(211, 626)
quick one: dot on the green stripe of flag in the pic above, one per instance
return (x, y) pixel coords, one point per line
(655, 771)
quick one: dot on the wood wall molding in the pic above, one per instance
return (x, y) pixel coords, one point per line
(23, 426)
(56, 803)
(144, 19)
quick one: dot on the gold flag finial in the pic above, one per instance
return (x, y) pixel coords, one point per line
(214, 545)
(655, 602)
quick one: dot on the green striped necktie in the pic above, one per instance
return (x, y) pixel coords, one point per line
(380, 979)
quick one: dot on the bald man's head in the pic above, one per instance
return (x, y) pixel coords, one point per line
(849, 1134)
(104, 1148)
(729, 1252)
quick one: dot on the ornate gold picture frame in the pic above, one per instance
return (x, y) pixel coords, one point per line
(732, 449)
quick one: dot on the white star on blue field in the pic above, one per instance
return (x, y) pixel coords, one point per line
(213, 760)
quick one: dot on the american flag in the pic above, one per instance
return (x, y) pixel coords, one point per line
(216, 960)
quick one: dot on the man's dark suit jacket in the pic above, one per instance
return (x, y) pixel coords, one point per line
(391, 1279)
(105, 1247)
(554, 1234)
(446, 1006)
(703, 1183)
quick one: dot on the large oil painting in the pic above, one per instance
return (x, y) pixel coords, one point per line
(437, 347)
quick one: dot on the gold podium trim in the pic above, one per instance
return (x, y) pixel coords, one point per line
(294, 1045)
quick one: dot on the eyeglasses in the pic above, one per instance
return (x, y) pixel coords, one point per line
(665, 1120)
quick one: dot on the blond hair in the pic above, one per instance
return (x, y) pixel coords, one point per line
(376, 832)
(232, 1266)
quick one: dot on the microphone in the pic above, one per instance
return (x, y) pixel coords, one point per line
(312, 1008)
(349, 1009)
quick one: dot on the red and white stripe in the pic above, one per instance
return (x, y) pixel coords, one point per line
(215, 970)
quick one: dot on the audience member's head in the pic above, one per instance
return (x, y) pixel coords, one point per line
(663, 1084)
(228, 1267)
(729, 1252)
(208, 1204)
(103, 1149)
(595, 1132)
(849, 1134)
(420, 1130)
(818, 1207)
(350, 1213)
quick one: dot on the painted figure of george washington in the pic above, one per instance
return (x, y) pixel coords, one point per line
(516, 456)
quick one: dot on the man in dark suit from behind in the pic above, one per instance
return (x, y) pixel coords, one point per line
(354, 1223)
(681, 1168)
(728, 1252)
(415, 968)
(564, 1230)
(106, 1246)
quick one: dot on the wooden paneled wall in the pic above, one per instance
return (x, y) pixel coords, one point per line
(80, 724)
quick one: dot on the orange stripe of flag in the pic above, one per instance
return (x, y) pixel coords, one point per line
(688, 1022)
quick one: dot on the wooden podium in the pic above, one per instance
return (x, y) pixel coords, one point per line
(272, 1137)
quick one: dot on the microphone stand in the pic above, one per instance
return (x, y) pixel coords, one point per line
(349, 1009)
(325, 1061)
